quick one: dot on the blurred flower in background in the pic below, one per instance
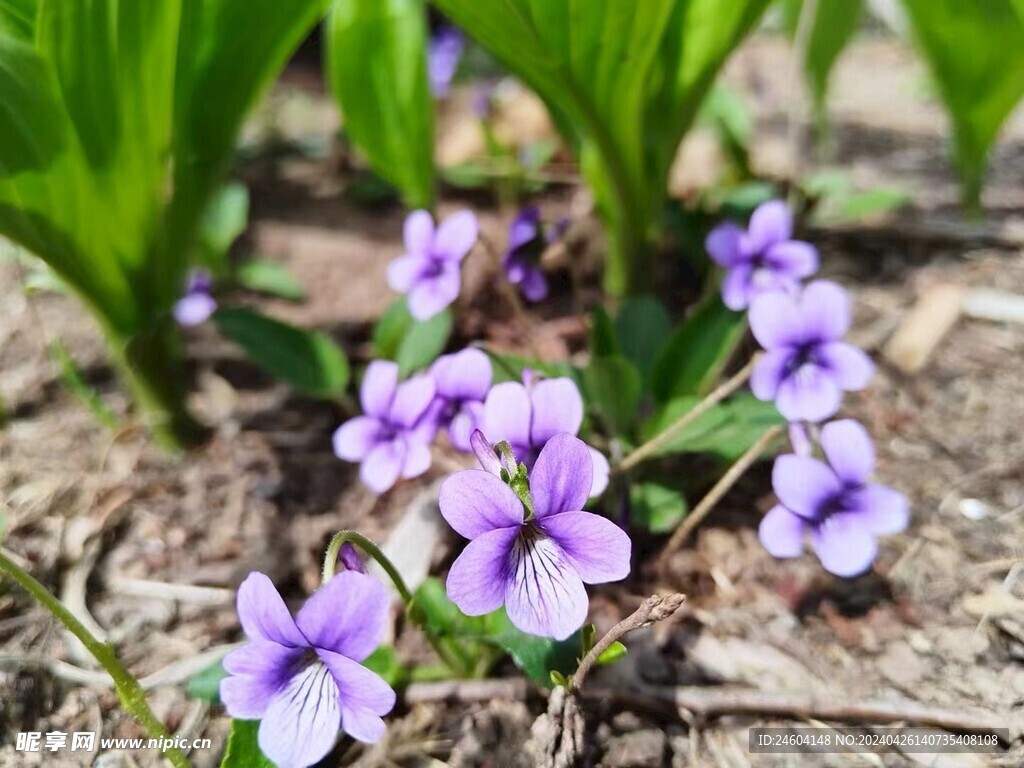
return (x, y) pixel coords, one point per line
(462, 382)
(196, 304)
(443, 56)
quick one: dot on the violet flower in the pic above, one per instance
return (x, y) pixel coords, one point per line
(526, 243)
(301, 677)
(528, 415)
(534, 565)
(429, 270)
(443, 55)
(392, 438)
(197, 303)
(806, 366)
(762, 258)
(462, 381)
(834, 502)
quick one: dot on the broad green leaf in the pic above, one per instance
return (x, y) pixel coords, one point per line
(726, 113)
(727, 429)
(693, 358)
(538, 657)
(612, 653)
(224, 220)
(32, 124)
(656, 506)
(612, 388)
(243, 750)
(377, 66)
(307, 360)
(270, 278)
(384, 661)
(641, 327)
(18, 18)
(206, 684)
(423, 342)
(603, 342)
(975, 51)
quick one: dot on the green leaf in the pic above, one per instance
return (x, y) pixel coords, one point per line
(510, 367)
(612, 653)
(223, 222)
(727, 429)
(975, 51)
(413, 345)
(603, 342)
(307, 360)
(377, 65)
(724, 111)
(439, 616)
(692, 360)
(657, 507)
(18, 18)
(641, 327)
(243, 750)
(384, 661)
(206, 684)
(612, 386)
(32, 125)
(538, 657)
(270, 278)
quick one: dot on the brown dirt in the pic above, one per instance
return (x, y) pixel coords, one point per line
(92, 513)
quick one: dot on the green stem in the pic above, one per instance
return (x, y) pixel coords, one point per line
(130, 693)
(453, 657)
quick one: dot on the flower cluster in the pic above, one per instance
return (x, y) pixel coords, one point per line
(805, 368)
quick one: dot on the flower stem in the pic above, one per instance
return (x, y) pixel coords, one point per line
(130, 693)
(453, 657)
(648, 449)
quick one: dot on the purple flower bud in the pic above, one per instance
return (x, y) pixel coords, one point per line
(526, 243)
(443, 57)
(834, 503)
(302, 677)
(485, 453)
(429, 270)
(535, 568)
(806, 366)
(762, 258)
(350, 559)
(196, 304)
(392, 438)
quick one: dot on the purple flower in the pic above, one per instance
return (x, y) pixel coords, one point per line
(301, 677)
(535, 567)
(197, 303)
(526, 243)
(834, 502)
(349, 558)
(762, 258)
(392, 438)
(806, 367)
(527, 416)
(443, 57)
(462, 382)
(429, 269)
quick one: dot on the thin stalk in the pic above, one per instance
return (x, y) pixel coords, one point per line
(718, 490)
(454, 658)
(664, 437)
(129, 692)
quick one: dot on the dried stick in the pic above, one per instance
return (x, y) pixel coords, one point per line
(725, 389)
(654, 608)
(725, 482)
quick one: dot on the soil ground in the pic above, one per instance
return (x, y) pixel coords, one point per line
(109, 523)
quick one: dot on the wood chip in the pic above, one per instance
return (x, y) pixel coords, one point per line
(923, 328)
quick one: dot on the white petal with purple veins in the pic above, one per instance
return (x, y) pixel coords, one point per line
(302, 722)
(545, 596)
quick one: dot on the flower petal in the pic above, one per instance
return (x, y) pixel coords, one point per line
(824, 311)
(808, 394)
(736, 288)
(474, 502)
(411, 400)
(881, 509)
(301, 724)
(723, 244)
(346, 615)
(804, 484)
(770, 223)
(774, 320)
(354, 439)
(466, 375)
(378, 388)
(194, 309)
(478, 577)
(470, 417)
(417, 459)
(258, 670)
(263, 614)
(557, 407)
(782, 532)
(382, 466)
(596, 547)
(418, 233)
(793, 258)
(545, 596)
(365, 696)
(524, 227)
(405, 270)
(562, 476)
(602, 471)
(456, 236)
(507, 413)
(431, 295)
(850, 367)
(849, 450)
(844, 546)
(769, 372)
(534, 284)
